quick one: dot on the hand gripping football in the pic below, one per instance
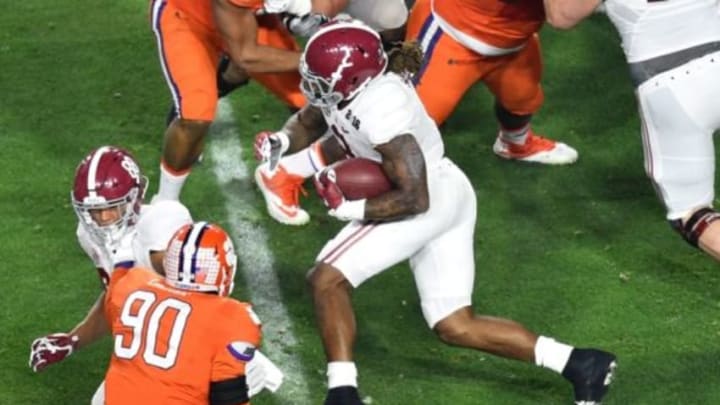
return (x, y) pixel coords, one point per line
(360, 178)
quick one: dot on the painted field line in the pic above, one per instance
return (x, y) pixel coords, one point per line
(256, 260)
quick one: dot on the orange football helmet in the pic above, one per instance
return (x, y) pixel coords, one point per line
(201, 257)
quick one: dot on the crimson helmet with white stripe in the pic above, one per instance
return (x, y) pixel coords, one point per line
(201, 257)
(339, 61)
(107, 178)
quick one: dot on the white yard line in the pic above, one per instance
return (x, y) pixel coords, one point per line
(256, 260)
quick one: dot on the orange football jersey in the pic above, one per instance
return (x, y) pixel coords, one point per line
(170, 344)
(201, 10)
(501, 23)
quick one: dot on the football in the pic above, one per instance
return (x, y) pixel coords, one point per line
(360, 178)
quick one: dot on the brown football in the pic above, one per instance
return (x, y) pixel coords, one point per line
(360, 178)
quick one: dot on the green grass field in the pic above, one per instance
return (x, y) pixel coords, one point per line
(580, 253)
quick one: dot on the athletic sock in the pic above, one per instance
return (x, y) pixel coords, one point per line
(171, 182)
(341, 373)
(517, 136)
(551, 354)
(306, 162)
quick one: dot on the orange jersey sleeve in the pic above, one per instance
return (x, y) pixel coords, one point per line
(201, 10)
(501, 23)
(238, 341)
(169, 344)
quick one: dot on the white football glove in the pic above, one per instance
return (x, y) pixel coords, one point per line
(297, 7)
(304, 25)
(262, 373)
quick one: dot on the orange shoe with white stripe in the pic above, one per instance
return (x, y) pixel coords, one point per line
(282, 194)
(536, 149)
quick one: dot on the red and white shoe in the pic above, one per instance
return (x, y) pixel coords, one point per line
(536, 149)
(282, 194)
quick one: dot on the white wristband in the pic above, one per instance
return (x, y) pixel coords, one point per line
(284, 140)
(350, 210)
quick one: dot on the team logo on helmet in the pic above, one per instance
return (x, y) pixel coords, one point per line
(201, 257)
(339, 61)
(108, 179)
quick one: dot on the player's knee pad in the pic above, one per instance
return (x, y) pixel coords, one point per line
(694, 227)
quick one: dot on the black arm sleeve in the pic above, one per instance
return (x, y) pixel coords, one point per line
(229, 392)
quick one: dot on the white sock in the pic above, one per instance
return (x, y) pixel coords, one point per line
(516, 136)
(170, 184)
(551, 354)
(306, 162)
(341, 373)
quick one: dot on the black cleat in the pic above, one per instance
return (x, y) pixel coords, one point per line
(591, 372)
(345, 395)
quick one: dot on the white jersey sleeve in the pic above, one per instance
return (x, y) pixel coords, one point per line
(380, 15)
(390, 107)
(156, 225)
(381, 125)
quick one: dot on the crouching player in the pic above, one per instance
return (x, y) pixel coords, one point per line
(116, 230)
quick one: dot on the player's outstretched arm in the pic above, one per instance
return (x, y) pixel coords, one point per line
(56, 347)
(238, 27)
(94, 326)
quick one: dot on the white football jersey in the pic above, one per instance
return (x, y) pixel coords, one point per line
(380, 15)
(386, 108)
(156, 225)
(652, 29)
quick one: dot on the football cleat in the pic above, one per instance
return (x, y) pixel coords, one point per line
(591, 372)
(282, 192)
(345, 395)
(536, 149)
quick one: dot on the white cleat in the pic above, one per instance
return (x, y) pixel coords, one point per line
(537, 149)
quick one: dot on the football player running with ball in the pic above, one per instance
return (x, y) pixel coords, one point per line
(428, 217)
(677, 79)
(116, 230)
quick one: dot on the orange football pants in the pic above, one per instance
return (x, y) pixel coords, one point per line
(449, 69)
(189, 54)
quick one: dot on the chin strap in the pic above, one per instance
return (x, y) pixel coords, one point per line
(694, 227)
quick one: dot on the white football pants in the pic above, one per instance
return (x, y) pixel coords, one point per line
(680, 111)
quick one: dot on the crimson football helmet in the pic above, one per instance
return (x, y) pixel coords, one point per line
(108, 178)
(201, 257)
(339, 61)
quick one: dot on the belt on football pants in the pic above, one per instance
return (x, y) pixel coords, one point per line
(641, 72)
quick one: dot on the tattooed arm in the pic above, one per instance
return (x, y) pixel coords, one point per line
(404, 164)
(304, 127)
